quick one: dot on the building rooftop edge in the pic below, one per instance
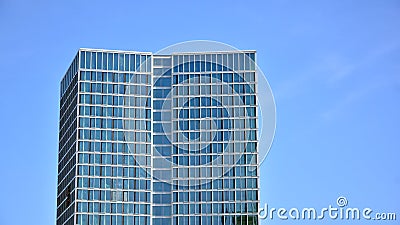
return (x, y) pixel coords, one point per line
(173, 53)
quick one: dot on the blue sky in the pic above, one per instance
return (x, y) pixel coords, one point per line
(333, 67)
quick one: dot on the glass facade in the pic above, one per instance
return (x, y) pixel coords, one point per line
(158, 139)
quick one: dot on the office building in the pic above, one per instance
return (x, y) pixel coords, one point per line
(158, 139)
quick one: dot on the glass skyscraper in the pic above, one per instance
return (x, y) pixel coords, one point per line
(158, 139)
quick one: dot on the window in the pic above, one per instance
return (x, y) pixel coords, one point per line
(93, 64)
(84, 122)
(251, 111)
(194, 113)
(161, 139)
(115, 66)
(194, 124)
(161, 187)
(157, 116)
(161, 104)
(161, 93)
(163, 150)
(99, 60)
(158, 127)
(162, 210)
(163, 82)
(206, 101)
